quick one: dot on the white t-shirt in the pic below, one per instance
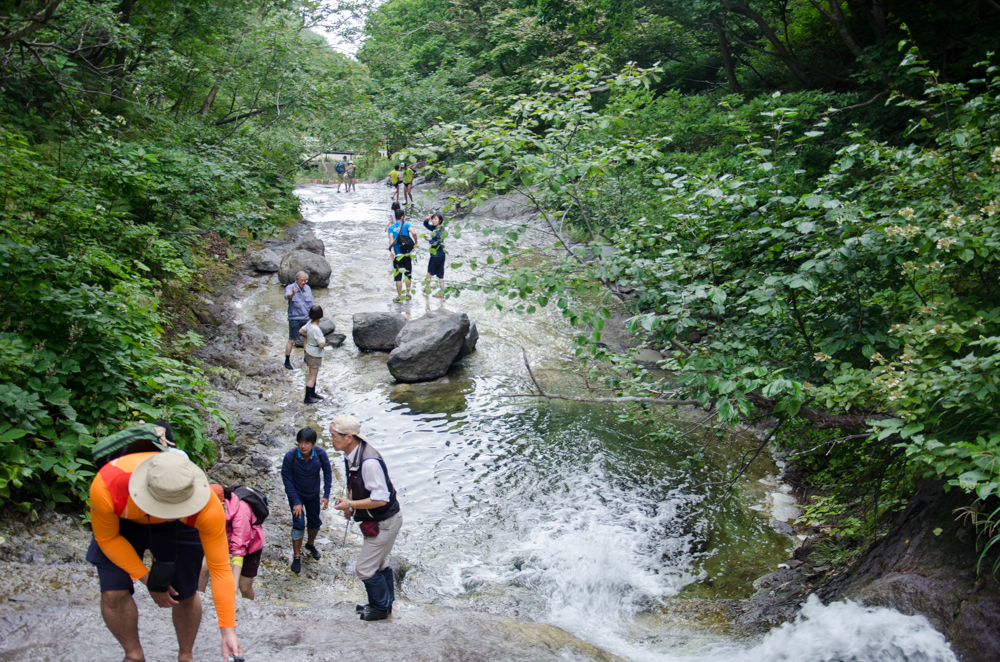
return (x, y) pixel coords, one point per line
(314, 336)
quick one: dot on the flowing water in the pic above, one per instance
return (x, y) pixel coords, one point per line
(555, 511)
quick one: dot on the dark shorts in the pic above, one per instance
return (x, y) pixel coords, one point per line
(251, 563)
(293, 329)
(171, 541)
(435, 266)
(400, 265)
(311, 518)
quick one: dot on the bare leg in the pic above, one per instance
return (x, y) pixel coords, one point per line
(311, 377)
(312, 536)
(122, 618)
(246, 587)
(440, 293)
(288, 347)
(187, 619)
(203, 577)
(297, 547)
(399, 288)
(408, 283)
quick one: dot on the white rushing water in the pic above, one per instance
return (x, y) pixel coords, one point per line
(556, 512)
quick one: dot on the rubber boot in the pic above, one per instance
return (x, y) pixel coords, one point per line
(288, 362)
(309, 399)
(378, 598)
(391, 585)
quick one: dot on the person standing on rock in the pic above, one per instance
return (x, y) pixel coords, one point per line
(246, 541)
(435, 265)
(300, 300)
(300, 472)
(314, 343)
(403, 239)
(161, 502)
(371, 499)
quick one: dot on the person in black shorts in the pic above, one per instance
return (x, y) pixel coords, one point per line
(435, 265)
(401, 261)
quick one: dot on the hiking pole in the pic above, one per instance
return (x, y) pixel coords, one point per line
(345, 532)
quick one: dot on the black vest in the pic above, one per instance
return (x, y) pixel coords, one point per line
(356, 485)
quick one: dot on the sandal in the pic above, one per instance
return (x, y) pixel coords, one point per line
(398, 300)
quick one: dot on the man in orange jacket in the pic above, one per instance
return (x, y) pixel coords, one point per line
(160, 502)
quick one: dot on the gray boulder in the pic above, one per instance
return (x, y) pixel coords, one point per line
(266, 261)
(315, 265)
(376, 332)
(469, 345)
(648, 357)
(335, 339)
(426, 347)
(327, 326)
(313, 245)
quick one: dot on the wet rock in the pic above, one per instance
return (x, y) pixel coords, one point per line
(315, 265)
(782, 527)
(327, 326)
(313, 245)
(252, 338)
(265, 261)
(469, 345)
(427, 347)
(335, 339)
(376, 332)
(504, 207)
(648, 357)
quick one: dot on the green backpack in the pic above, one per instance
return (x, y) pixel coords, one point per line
(142, 438)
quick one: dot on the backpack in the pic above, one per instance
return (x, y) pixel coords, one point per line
(256, 499)
(404, 242)
(141, 438)
(340, 167)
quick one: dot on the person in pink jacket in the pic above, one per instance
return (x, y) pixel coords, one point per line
(246, 541)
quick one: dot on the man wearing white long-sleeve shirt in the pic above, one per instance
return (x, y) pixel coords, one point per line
(372, 500)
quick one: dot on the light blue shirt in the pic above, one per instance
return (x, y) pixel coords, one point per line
(299, 305)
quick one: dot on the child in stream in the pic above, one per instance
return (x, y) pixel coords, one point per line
(435, 265)
(315, 341)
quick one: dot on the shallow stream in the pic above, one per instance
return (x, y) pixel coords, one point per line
(549, 511)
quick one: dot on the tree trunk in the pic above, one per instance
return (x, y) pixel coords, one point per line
(779, 48)
(209, 100)
(836, 16)
(36, 22)
(727, 60)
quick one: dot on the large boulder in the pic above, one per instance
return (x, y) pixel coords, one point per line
(327, 326)
(426, 347)
(376, 332)
(313, 245)
(469, 345)
(335, 339)
(315, 265)
(266, 261)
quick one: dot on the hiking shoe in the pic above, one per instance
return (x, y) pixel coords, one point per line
(361, 606)
(314, 552)
(370, 613)
(297, 565)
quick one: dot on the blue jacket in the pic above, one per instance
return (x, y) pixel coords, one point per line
(299, 305)
(301, 476)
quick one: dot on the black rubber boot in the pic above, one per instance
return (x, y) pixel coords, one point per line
(288, 362)
(309, 399)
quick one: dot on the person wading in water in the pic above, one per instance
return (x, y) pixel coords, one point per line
(371, 498)
(300, 300)
(300, 472)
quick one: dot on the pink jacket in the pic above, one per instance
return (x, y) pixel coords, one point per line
(244, 537)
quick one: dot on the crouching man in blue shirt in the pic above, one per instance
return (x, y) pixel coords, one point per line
(300, 473)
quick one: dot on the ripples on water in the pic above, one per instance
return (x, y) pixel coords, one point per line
(552, 511)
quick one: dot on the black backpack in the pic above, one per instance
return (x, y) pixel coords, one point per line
(404, 242)
(256, 499)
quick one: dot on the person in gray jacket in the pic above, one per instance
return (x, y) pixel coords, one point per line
(300, 300)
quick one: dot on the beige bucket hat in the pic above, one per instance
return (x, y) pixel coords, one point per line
(169, 486)
(347, 424)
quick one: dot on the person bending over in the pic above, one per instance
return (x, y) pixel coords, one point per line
(246, 541)
(161, 502)
(300, 472)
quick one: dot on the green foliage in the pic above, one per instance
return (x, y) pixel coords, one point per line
(794, 264)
